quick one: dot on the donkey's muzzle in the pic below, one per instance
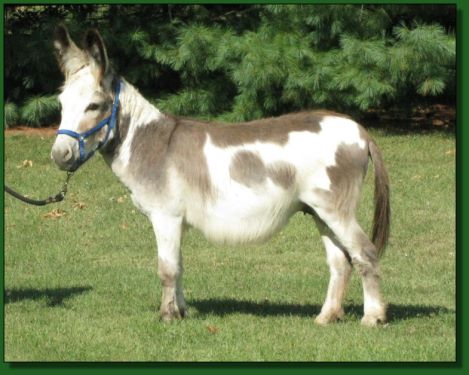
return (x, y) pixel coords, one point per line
(62, 154)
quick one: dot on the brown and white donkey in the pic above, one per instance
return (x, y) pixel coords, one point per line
(236, 183)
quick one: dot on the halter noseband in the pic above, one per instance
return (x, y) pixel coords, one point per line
(80, 137)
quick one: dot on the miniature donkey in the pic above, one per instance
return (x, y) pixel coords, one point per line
(236, 183)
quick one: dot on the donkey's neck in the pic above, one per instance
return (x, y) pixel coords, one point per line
(134, 112)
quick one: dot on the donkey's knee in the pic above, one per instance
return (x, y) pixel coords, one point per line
(168, 273)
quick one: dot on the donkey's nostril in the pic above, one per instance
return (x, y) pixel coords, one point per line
(67, 154)
(61, 153)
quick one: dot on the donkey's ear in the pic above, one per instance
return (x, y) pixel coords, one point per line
(69, 56)
(63, 46)
(95, 48)
(62, 40)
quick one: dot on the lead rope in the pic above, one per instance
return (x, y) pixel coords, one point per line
(52, 199)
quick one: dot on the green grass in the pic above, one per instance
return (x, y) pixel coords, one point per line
(84, 286)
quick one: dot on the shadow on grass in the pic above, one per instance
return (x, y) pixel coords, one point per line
(404, 312)
(398, 313)
(222, 307)
(54, 297)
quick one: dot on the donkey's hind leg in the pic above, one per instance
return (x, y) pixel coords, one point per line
(340, 269)
(346, 241)
(364, 258)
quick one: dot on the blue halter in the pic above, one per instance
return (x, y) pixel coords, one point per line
(80, 137)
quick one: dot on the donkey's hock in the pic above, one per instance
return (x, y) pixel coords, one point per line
(236, 183)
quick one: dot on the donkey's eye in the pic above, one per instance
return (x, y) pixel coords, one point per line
(92, 107)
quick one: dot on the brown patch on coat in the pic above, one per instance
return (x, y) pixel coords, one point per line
(122, 126)
(149, 149)
(168, 142)
(248, 169)
(186, 153)
(273, 130)
(346, 177)
(282, 173)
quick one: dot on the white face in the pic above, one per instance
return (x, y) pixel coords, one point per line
(84, 104)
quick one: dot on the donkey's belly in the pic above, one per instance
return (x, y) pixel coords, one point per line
(252, 218)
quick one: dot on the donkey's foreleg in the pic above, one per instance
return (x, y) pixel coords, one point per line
(168, 230)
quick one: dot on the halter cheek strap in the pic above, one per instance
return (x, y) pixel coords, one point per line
(81, 137)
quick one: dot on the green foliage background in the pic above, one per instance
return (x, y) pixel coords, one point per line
(239, 62)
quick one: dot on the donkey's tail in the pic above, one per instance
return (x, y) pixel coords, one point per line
(382, 216)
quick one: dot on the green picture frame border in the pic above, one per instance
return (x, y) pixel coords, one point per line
(460, 366)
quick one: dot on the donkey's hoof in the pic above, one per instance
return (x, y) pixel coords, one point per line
(171, 314)
(373, 320)
(330, 317)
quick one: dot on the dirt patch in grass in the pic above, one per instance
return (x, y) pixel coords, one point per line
(38, 132)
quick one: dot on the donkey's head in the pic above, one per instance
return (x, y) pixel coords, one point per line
(87, 99)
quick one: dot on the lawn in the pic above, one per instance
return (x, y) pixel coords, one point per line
(81, 281)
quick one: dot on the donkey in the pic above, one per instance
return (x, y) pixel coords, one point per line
(236, 183)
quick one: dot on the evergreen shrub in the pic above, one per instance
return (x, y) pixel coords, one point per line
(239, 62)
